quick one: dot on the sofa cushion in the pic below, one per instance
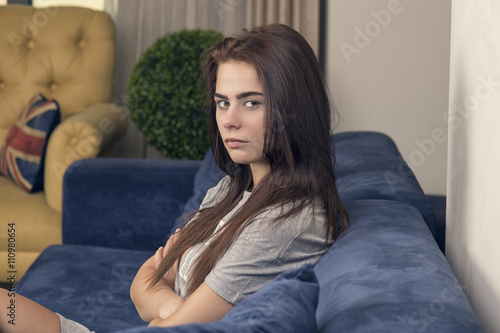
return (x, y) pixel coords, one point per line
(91, 286)
(23, 153)
(88, 284)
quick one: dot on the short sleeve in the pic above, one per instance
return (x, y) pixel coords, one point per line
(215, 194)
(211, 198)
(264, 250)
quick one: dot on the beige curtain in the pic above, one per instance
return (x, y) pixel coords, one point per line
(302, 15)
(140, 22)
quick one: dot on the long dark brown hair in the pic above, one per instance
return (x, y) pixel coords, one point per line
(297, 146)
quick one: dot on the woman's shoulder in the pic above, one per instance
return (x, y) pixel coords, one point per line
(311, 215)
(277, 232)
(216, 193)
(306, 209)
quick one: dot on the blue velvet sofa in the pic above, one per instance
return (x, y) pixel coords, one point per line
(385, 274)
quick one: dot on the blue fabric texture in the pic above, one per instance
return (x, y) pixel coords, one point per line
(87, 284)
(438, 204)
(369, 166)
(387, 274)
(215, 327)
(134, 200)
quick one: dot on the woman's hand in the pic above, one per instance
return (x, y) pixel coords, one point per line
(162, 251)
(160, 254)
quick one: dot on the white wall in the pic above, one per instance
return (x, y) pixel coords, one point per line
(473, 214)
(388, 70)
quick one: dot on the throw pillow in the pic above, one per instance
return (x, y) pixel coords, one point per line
(286, 304)
(22, 154)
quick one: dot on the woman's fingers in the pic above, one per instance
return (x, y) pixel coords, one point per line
(172, 239)
(176, 234)
(159, 256)
(163, 251)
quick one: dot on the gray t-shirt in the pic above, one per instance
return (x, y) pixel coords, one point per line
(262, 251)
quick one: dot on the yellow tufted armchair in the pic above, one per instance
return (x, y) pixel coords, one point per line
(66, 54)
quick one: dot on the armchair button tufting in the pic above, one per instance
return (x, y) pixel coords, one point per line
(53, 86)
(31, 44)
(82, 44)
(2, 85)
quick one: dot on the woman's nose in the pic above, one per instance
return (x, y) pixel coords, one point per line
(231, 119)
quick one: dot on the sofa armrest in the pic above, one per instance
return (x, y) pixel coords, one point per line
(387, 274)
(82, 135)
(124, 203)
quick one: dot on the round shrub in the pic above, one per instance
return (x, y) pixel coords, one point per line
(164, 97)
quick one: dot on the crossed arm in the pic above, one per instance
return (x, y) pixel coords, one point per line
(161, 306)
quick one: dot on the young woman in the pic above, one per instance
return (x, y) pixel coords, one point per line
(278, 206)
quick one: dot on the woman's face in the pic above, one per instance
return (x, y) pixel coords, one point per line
(240, 115)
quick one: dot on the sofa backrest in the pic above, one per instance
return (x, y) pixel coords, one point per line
(368, 167)
(65, 53)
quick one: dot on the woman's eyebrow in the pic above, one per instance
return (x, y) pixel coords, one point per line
(241, 95)
(220, 96)
(248, 94)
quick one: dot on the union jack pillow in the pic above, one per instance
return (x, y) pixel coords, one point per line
(22, 154)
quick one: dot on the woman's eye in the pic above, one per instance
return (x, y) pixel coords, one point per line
(251, 104)
(223, 104)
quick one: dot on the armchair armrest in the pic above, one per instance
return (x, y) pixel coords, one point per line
(82, 135)
(124, 203)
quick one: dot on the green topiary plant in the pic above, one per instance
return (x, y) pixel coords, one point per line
(164, 98)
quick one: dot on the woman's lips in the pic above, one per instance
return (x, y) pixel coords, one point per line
(234, 143)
